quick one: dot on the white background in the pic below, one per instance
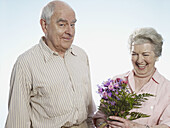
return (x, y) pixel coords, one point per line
(102, 30)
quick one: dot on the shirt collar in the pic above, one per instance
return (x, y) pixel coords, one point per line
(128, 74)
(48, 53)
(157, 76)
(72, 51)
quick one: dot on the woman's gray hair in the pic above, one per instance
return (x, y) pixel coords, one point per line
(48, 11)
(147, 34)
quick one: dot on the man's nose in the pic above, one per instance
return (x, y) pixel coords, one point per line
(70, 30)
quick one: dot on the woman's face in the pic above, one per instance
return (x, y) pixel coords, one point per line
(143, 59)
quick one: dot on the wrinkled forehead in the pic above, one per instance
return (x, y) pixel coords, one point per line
(64, 15)
(142, 47)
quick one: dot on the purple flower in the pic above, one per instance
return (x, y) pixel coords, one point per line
(127, 90)
(113, 103)
(109, 94)
(117, 98)
(100, 90)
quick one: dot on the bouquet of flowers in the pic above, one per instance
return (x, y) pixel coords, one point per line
(118, 101)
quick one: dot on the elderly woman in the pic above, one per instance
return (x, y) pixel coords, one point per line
(146, 48)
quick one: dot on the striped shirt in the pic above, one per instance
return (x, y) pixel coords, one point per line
(48, 91)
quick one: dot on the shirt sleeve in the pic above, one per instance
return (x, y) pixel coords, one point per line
(92, 109)
(165, 118)
(18, 106)
(99, 115)
(92, 106)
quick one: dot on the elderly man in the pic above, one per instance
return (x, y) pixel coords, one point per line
(50, 83)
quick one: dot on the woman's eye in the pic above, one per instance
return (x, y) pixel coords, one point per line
(145, 55)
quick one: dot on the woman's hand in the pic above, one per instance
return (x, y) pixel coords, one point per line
(122, 123)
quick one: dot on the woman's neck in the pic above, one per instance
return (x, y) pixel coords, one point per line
(141, 81)
(148, 74)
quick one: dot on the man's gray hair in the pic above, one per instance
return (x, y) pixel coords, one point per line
(147, 34)
(48, 11)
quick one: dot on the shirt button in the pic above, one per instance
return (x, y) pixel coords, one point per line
(151, 107)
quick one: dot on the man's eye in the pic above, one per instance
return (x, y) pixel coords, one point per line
(72, 25)
(133, 54)
(61, 25)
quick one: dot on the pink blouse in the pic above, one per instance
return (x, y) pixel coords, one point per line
(158, 107)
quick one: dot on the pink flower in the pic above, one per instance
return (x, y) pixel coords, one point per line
(105, 95)
(125, 82)
(110, 87)
(116, 85)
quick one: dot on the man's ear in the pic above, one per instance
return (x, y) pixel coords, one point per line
(43, 26)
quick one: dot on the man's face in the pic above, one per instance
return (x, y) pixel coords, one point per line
(61, 30)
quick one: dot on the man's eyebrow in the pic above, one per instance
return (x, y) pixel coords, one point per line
(74, 21)
(133, 51)
(63, 20)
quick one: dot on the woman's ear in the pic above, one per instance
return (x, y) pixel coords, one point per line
(43, 26)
